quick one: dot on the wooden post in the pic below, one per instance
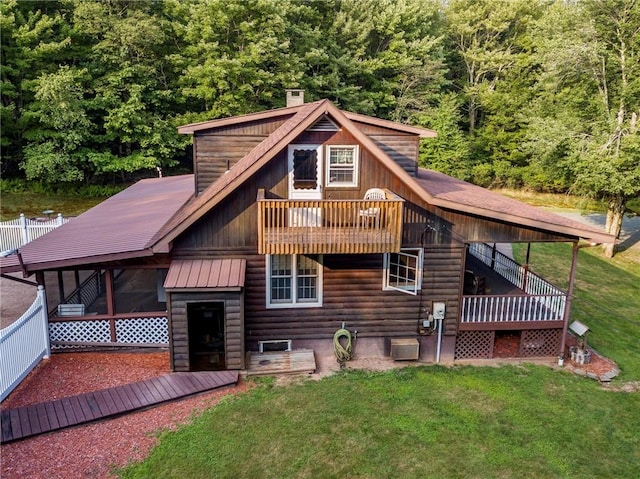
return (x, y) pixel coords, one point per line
(111, 302)
(76, 275)
(493, 256)
(60, 286)
(567, 307)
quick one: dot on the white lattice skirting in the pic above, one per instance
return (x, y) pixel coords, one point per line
(135, 331)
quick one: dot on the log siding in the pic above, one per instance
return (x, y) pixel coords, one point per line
(179, 326)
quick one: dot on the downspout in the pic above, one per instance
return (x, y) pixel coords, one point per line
(440, 321)
(567, 306)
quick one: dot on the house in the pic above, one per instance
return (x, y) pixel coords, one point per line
(295, 222)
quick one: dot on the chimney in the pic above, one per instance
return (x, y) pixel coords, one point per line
(295, 97)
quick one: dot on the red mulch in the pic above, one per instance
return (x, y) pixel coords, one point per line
(93, 450)
(506, 346)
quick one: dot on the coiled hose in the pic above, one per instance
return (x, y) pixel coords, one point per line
(343, 353)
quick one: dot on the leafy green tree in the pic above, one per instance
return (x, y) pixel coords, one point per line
(133, 85)
(54, 152)
(449, 152)
(591, 88)
(34, 39)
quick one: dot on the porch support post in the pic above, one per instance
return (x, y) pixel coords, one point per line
(76, 275)
(61, 286)
(567, 307)
(111, 302)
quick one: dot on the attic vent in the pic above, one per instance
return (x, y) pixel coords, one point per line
(324, 124)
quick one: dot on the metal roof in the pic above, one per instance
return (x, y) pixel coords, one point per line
(206, 274)
(454, 194)
(118, 228)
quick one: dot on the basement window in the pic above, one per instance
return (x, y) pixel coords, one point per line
(403, 271)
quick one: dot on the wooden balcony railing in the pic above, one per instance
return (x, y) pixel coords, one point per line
(329, 226)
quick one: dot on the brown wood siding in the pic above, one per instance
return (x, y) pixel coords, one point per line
(216, 154)
(443, 265)
(234, 329)
(403, 148)
(352, 293)
(217, 150)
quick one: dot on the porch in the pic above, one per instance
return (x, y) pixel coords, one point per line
(511, 296)
(329, 226)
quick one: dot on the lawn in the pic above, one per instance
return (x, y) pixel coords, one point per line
(417, 422)
(435, 422)
(606, 297)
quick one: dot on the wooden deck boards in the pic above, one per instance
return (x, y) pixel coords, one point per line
(26, 421)
(292, 362)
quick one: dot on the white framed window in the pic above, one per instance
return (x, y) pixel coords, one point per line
(403, 271)
(342, 165)
(294, 281)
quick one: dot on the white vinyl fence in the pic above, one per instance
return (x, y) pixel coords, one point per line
(23, 344)
(18, 232)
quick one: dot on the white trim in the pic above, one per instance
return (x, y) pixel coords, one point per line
(274, 341)
(356, 162)
(295, 302)
(412, 254)
(305, 194)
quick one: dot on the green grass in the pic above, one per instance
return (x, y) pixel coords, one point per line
(33, 204)
(416, 422)
(606, 298)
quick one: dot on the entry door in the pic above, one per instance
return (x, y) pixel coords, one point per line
(305, 183)
(206, 325)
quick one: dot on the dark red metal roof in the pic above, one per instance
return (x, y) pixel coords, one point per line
(118, 228)
(458, 195)
(206, 273)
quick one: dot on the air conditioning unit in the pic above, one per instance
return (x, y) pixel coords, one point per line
(405, 349)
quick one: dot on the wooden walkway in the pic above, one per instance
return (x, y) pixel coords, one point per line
(22, 422)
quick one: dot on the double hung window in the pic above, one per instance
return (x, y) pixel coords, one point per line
(294, 281)
(342, 165)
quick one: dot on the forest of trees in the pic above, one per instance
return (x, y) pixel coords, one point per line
(537, 94)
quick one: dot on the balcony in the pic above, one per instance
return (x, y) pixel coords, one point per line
(329, 226)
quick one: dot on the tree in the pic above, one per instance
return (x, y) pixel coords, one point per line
(34, 39)
(591, 86)
(54, 153)
(449, 152)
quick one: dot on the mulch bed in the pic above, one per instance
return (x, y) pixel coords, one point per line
(93, 450)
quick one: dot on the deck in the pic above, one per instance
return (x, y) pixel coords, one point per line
(281, 362)
(27, 421)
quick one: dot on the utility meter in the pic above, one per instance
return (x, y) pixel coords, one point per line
(438, 310)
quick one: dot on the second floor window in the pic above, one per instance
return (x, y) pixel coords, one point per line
(342, 165)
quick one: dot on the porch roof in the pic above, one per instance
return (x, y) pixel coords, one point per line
(460, 196)
(116, 229)
(219, 274)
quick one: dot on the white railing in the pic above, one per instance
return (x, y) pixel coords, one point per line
(23, 344)
(516, 274)
(544, 301)
(18, 232)
(500, 309)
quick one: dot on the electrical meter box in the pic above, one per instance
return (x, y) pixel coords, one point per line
(438, 310)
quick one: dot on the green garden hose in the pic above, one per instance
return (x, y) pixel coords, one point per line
(343, 353)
